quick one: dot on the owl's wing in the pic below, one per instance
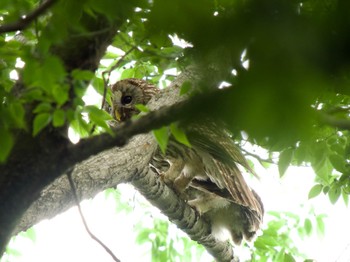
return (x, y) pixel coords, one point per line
(211, 137)
(215, 139)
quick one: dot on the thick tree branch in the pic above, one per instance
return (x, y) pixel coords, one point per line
(181, 214)
(27, 19)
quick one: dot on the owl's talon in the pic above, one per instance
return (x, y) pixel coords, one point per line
(194, 207)
(166, 180)
(173, 186)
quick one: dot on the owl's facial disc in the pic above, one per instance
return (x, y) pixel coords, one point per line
(123, 108)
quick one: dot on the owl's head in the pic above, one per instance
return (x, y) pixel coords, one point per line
(126, 94)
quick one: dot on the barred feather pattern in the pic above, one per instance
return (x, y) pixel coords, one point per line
(208, 174)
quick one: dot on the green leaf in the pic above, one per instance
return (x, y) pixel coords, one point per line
(179, 134)
(315, 191)
(185, 88)
(288, 258)
(275, 214)
(6, 143)
(338, 148)
(323, 170)
(80, 126)
(30, 234)
(284, 160)
(98, 112)
(53, 68)
(17, 114)
(162, 137)
(326, 189)
(128, 73)
(301, 154)
(337, 162)
(58, 118)
(142, 108)
(60, 93)
(320, 225)
(308, 226)
(98, 116)
(280, 256)
(43, 107)
(143, 237)
(266, 240)
(345, 197)
(334, 194)
(274, 226)
(79, 74)
(13, 252)
(98, 85)
(33, 94)
(40, 122)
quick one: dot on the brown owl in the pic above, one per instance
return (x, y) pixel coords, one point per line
(207, 174)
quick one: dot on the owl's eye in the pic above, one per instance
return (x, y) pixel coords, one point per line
(126, 100)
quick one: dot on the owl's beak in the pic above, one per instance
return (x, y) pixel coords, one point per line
(117, 115)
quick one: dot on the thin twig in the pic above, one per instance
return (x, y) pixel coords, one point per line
(76, 199)
(109, 71)
(106, 80)
(260, 159)
(25, 20)
(343, 124)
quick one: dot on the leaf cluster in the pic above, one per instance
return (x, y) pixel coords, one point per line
(275, 245)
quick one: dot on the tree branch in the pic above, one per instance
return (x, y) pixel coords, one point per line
(181, 214)
(343, 124)
(77, 202)
(25, 20)
(259, 158)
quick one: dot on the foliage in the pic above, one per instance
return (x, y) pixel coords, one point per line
(12, 251)
(275, 243)
(166, 244)
(288, 63)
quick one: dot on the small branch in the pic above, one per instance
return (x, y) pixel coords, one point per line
(76, 199)
(260, 159)
(25, 20)
(109, 71)
(336, 110)
(335, 122)
(106, 79)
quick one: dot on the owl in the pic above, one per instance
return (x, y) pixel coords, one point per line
(207, 175)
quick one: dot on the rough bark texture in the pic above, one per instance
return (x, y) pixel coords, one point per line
(93, 175)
